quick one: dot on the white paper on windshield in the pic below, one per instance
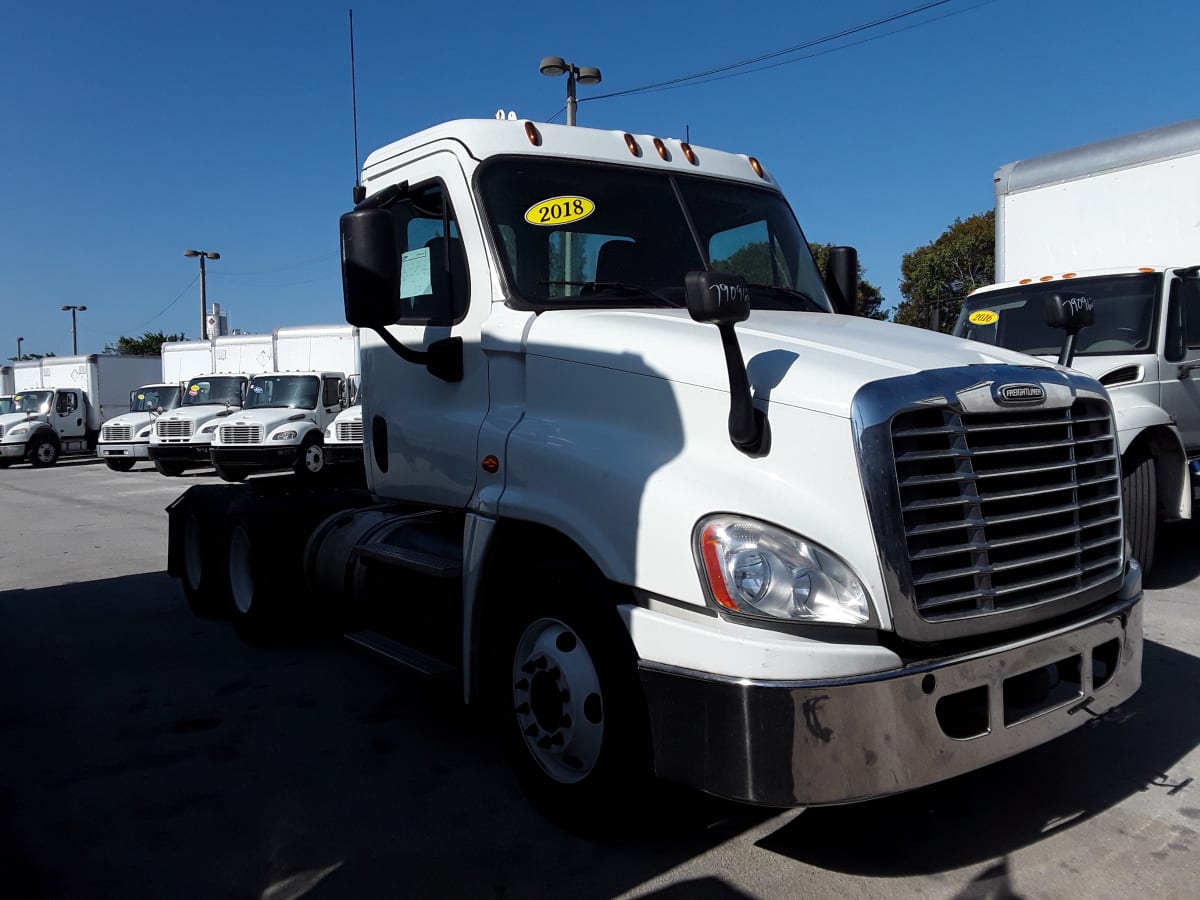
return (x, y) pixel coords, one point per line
(414, 273)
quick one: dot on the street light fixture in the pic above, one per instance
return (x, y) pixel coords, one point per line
(556, 65)
(19, 348)
(203, 254)
(74, 309)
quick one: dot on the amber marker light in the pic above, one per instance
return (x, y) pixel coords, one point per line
(1025, 281)
(1046, 278)
(712, 568)
(758, 169)
(531, 132)
(490, 464)
(689, 154)
(1069, 275)
(1145, 269)
(632, 145)
(663, 153)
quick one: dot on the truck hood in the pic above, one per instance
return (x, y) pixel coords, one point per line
(271, 418)
(816, 361)
(8, 420)
(198, 413)
(134, 420)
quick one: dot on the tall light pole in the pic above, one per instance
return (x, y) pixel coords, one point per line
(555, 66)
(203, 254)
(19, 348)
(74, 309)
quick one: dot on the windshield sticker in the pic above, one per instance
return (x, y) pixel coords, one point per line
(983, 317)
(559, 211)
(415, 278)
(193, 389)
(141, 396)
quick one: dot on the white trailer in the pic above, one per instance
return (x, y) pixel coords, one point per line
(1118, 223)
(60, 403)
(283, 421)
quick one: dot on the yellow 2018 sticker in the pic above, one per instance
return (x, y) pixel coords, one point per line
(559, 211)
(983, 317)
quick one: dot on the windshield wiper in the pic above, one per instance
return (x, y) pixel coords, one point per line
(789, 292)
(624, 287)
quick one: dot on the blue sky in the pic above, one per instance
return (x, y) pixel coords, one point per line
(133, 131)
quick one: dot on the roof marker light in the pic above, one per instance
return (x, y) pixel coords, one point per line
(632, 145)
(1046, 278)
(757, 167)
(688, 153)
(1145, 269)
(1068, 275)
(533, 134)
(1025, 281)
(663, 153)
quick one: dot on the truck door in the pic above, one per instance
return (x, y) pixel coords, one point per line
(69, 414)
(1181, 369)
(423, 430)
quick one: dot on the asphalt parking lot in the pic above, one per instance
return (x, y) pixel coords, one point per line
(148, 753)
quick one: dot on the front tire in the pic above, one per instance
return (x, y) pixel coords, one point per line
(571, 710)
(1139, 487)
(43, 453)
(170, 469)
(232, 474)
(118, 464)
(310, 461)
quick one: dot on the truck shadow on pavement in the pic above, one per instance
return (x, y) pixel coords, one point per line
(1177, 561)
(995, 811)
(151, 754)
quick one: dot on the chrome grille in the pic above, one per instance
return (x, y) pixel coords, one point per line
(241, 434)
(116, 433)
(350, 431)
(175, 429)
(1009, 509)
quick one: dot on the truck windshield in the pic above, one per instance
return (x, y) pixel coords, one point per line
(1014, 318)
(214, 389)
(151, 398)
(32, 401)
(586, 235)
(283, 391)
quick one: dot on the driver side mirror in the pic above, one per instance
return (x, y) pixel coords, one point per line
(1069, 310)
(717, 297)
(370, 283)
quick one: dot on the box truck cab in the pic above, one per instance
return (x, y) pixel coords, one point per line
(125, 439)
(344, 437)
(59, 404)
(281, 425)
(1115, 224)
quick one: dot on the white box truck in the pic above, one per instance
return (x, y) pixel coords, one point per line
(1116, 223)
(662, 511)
(282, 423)
(60, 402)
(181, 437)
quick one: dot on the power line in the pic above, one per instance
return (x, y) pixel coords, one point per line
(195, 278)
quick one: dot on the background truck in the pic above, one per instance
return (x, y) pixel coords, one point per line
(6, 389)
(125, 439)
(344, 436)
(662, 512)
(1119, 223)
(282, 423)
(181, 437)
(60, 402)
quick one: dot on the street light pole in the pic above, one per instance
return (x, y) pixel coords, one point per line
(556, 65)
(74, 309)
(203, 254)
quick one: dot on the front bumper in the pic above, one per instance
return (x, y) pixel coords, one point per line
(123, 450)
(811, 743)
(343, 454)
(256, 457)
(195, 454)
(14, 450)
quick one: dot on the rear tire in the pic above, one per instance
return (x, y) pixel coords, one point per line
(1139, 487)
(170, 469)
(43, 453)
(203, 554)
(117, 464)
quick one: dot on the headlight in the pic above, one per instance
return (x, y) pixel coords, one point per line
(208, 429)
(145, 433)
(284, 436)
(18, 430)
(759, 570)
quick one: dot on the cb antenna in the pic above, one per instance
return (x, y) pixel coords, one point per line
(359, 191)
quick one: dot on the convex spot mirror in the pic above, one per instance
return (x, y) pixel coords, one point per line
(1070, 310)
(717, 297)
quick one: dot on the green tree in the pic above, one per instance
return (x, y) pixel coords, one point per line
(149, 344)
(938, 276)
(753, 263)
(24, 356)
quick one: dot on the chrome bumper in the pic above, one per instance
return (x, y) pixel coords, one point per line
(811, 743)
(123, 450)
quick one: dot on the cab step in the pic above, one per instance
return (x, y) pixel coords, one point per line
(401, 654)
(407, 558)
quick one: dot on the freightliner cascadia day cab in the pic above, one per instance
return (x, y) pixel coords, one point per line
(663, 511)
(181, 437)
(283, 420)
(60, 402)
(1116, 223)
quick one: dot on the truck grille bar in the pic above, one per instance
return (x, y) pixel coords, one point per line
(182, 429)
(350, 431)
(241, 434)
(116, 433)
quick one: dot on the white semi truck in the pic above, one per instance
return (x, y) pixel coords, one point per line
(282, 423)
(181, 437)
(60, 402)
(1118, 224)
(662, 512)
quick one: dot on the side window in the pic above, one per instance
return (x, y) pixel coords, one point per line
(67, 403)
(1189, 289)
(1183, 319)
(434, 283)
(332, 392)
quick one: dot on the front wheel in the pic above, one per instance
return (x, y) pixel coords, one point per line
(310, 462)
(232, 473)
(43, 453)
(118, 464)
(170, 469)
(572, 715)
(1139, 487)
